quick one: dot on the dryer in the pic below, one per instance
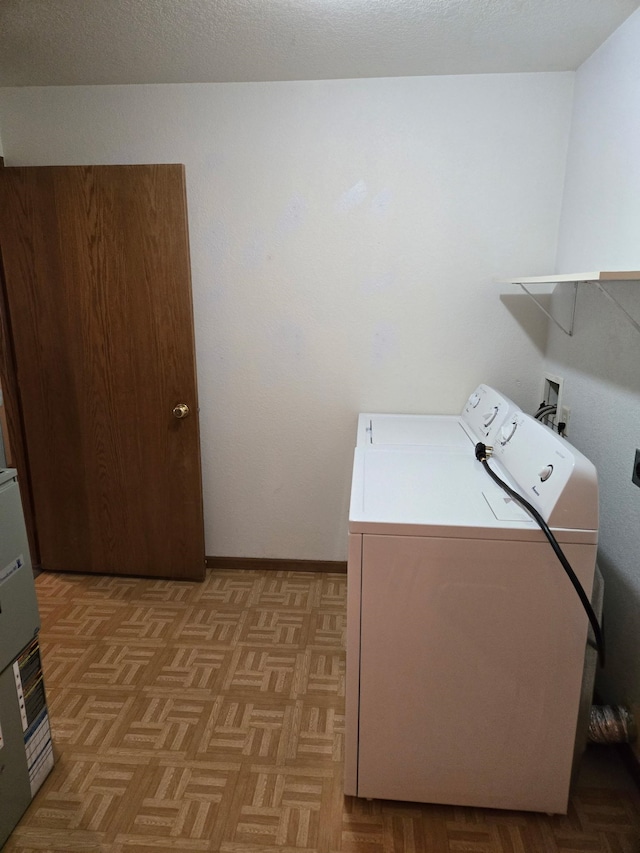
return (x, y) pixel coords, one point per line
(465, 639)
(483, 414)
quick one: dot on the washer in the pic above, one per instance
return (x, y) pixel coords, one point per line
(465, 639)
(483, 414)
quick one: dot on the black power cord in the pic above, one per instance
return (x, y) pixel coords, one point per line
(481, 456)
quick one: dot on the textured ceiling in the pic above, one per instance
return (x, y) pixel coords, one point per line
(72, 42)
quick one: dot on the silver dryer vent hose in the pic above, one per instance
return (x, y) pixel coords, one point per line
(611, 724)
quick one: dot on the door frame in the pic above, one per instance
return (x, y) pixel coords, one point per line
(15, 427)
(13, 413)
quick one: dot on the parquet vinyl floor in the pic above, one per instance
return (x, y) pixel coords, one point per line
(210, 717)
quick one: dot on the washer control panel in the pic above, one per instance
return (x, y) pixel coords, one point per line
(548, 471)
(485, 411)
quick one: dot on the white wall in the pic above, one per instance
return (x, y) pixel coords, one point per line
(600, 229)
(345, 236)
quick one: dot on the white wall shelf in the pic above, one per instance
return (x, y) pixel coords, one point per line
(596, 278)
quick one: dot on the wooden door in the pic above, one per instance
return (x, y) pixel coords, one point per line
(97, 291)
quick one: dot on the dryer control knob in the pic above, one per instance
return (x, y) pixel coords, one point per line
(507, 431)
(489, 417)
(473, 400)
(546, 472)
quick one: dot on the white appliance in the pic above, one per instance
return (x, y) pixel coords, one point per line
(26, 751)
(465, 638)
(482, 416)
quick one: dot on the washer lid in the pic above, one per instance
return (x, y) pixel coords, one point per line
(376, 430)
(431, 489)
(503, 507)
(482, 416)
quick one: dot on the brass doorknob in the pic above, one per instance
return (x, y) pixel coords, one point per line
(181, 410)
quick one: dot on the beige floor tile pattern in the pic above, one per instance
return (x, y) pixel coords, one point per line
(206, 717)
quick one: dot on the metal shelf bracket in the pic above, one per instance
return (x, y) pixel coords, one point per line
(610, 296)
(568, 331)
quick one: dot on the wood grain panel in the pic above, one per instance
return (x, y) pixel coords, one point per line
(98, 289)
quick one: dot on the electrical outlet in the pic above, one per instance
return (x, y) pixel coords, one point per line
(552, 388)
(635, 476)
(565, 417)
